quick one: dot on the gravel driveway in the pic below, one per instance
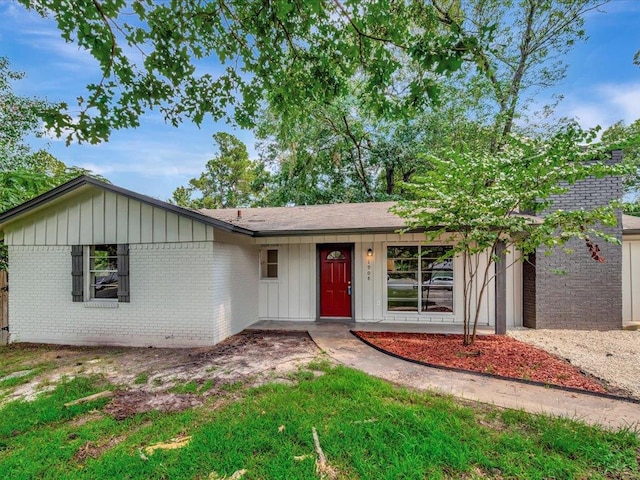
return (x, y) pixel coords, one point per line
(613, 356)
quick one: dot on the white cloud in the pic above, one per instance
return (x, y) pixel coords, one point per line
(626, 98)
(18, 13)
(149, 158)
(154, 166)
(603, 104)
(588, 115)
(70, 56)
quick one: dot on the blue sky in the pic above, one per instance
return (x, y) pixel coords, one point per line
(602, 87)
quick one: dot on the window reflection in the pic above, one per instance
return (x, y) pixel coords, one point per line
(419, 280)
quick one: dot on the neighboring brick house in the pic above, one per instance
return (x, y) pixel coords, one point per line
(92, 263)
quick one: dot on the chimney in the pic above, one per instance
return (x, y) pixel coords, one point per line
(595, 289)
(239, 215)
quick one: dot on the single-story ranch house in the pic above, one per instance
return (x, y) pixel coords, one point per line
(93, 263)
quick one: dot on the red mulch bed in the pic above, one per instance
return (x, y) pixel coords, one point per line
(495, 355)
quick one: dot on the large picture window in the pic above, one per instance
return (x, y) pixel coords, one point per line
(417, 281)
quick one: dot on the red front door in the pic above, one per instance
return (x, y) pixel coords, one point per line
(335, 282)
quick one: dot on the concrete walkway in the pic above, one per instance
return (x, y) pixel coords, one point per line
(336, 340)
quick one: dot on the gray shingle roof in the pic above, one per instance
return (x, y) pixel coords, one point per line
(340, 217)
(345, 218)
(336, 218)
(630, 224)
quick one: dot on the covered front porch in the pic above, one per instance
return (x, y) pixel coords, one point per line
(339, 327)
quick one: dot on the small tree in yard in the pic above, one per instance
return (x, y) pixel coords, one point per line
(481, 198)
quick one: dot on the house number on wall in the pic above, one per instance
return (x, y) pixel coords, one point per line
(368, 270)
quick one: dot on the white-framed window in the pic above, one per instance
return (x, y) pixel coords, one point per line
(418, 280)
(100, 272)
(269, 263)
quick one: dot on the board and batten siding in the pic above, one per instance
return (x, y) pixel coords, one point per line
(631, 278)
(293, 295)
(95, 216)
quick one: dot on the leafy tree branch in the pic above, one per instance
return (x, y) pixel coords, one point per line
(285, 52)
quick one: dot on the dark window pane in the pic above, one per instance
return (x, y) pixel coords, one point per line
(106, 286)
(405, 278)
(103, 271)
(272, 271)
(269, 264)
(402, 252)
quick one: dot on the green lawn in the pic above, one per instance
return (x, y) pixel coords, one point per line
(367, 428)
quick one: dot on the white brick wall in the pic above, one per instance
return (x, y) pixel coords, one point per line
(172, 299)
(235, 287)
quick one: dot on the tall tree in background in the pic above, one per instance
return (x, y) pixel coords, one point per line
(19, 117)
(523, 56)
(298, 54)
(344, 151)
(301, 58)
(340, 153)
(618, 132)
(324, 158)
(24, 172)
(230, 178)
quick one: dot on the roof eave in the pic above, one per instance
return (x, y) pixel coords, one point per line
(83, 180)
(335, 231)
(42, 199)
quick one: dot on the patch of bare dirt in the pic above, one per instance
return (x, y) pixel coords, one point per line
(84, 419)
(96, 449)
(128, 403)
(148, 377)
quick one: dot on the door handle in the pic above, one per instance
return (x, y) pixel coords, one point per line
(349, 289)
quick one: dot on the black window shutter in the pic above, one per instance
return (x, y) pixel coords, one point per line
(77, 267)
(123, 273)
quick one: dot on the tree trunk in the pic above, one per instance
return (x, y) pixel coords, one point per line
(391, 183)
